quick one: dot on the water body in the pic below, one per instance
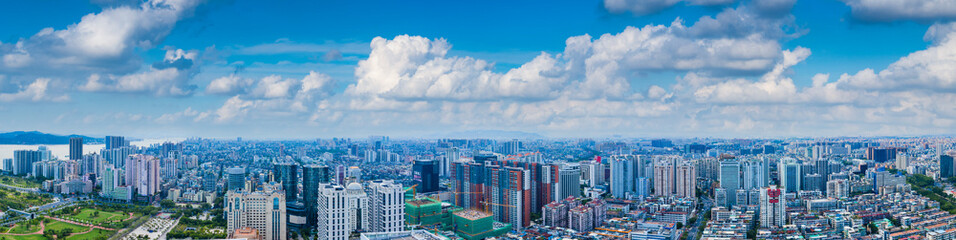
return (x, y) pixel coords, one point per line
(62, 150)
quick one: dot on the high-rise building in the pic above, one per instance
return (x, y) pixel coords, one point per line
(23, 161)
(115, 142)
(142, 172)
(624, 171)
(76, 148)
(236, 177)
(452, 154)
(358, 207)
(333, 210)
(773, 207)
(570, 183)
(753, 175)
(386, 206)
(593, 173)
(730, 180)
(263, 210)
(789, 176)
(947, 168)
(209, 182)
(287, 173)
(312, 177)
(426, 175)
(664, 177)
(685, 176)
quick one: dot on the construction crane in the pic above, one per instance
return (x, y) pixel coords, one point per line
(490, 203)
(458, 193)
(413, 189)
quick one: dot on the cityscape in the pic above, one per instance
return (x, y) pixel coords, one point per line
(472, 120)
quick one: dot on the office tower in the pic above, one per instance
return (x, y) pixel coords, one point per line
(333, 210)
(358, 207)
(236, 177)
(730, 180)
(624, 170)
(142, 172)
(386, 206)
(76, 148)
(838, 188)
(23, 161)
(340, 173)
(263, 210)
(209, 182)
(287, 173)
(425, 175)
(115, 142)
(570, 183)
(312, 176)
(685, 176)
(883, 179)
(773, 207)
(947, 168)
(789, 176)
(720, 197)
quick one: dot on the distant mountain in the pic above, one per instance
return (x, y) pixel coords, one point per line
(34, 137)
(492, 134)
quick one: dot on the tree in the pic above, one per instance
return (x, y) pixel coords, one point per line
(166, 203)
(680, 225)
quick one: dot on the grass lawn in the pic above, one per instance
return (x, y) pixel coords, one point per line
(27, 237)
(95, 234)
(59, 226)
(17, 200)
(98, 216)
(21, 228)
(19, 182)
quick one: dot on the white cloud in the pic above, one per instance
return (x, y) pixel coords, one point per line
(36, 92)
(929, 69)
(228, 85)
(167, 78)
(894, 10)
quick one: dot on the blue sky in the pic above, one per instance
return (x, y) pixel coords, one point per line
(305, 69)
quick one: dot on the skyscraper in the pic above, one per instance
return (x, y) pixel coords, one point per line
(312, 176)
(730, 180)
(772, 207)
(947, 168)
(142, 172)
(287, 173)
(425, 175)
(23, 161)
(237, 178)
(570, 182)
(664, 177)
(76, 148)
(115, 142)
(386, 203)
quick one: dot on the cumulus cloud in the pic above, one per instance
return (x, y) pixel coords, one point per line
(36, 92)
(896, 10)
(271, 94)
(929, 69)
(169, 77)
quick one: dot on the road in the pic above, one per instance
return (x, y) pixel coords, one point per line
(33, 190)
(692, 228)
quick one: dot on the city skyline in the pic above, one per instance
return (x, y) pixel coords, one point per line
(300, 70)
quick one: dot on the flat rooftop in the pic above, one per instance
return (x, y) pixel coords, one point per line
(472, 214)
(420, 202)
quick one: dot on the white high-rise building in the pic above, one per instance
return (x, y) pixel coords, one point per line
(664, 177)
(358, 207)
(570, 182)
(263, 210)
(624, 171)
(386, 206)
(142, 172)
(685, 175)
(593, 173)
(333, 212)
(838, 188)
(773, 207)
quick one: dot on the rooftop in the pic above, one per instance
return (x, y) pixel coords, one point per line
(472, 214)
